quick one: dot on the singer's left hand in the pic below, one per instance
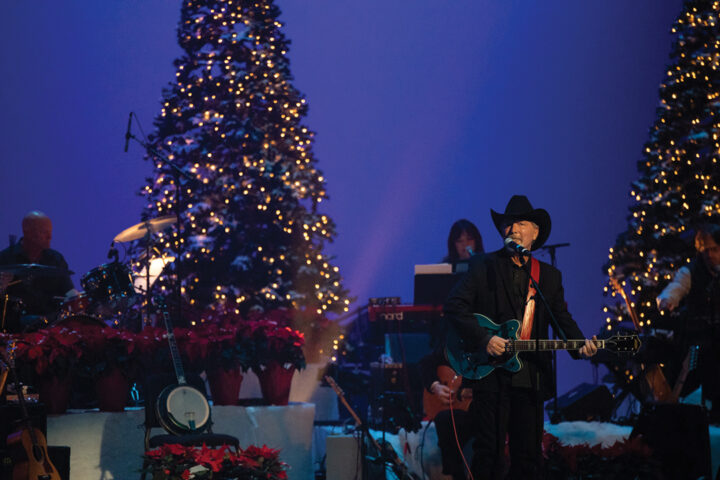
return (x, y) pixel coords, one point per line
(589, 349)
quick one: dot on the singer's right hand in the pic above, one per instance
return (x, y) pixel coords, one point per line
(496, 346)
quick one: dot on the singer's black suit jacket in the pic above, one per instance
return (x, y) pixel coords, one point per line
(487, 289)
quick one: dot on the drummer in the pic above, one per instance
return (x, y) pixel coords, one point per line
(40, 293)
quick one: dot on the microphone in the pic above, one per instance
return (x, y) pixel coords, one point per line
(469, 250)
(127, 132)
(514, 247)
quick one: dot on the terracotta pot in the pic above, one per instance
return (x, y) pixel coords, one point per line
(55, 393)
(112, 389)
(225, 385)
(275, 383)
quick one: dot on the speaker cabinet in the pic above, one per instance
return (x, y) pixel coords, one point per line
(586, 402)
(679, 438)
(343, 460)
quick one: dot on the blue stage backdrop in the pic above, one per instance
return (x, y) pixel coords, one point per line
(425, 112)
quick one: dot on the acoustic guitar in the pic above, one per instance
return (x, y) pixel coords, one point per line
(479, 364)
(29, 440)
(432, 405)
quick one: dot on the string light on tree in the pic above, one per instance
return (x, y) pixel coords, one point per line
(679, 177)
(251, 233)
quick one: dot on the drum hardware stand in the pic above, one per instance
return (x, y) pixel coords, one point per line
(4, 312)
(148, 249)
(177, 173)
(148, 239)
(6, 299)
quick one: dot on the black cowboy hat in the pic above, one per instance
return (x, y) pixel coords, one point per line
(519, 208)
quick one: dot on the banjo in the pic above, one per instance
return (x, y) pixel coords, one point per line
(181, 409)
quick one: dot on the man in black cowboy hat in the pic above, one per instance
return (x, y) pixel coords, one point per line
(498, 286)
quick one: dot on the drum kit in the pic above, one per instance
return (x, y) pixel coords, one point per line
(110, 291)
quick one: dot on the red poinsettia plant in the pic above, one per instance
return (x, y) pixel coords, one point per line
(274, 340)
(229, 345)
(155, 348)
(630, 458)
(178, 462)
(50, 352)
(106, 348)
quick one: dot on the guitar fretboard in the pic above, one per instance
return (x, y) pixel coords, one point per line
(174, 352)
(547, 345)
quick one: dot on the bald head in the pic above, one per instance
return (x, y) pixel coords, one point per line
(37, 231)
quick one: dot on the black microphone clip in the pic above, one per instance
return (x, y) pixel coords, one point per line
(516, 247)
(113, 253)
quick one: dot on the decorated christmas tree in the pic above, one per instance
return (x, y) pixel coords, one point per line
(679, 173)
(251, 233)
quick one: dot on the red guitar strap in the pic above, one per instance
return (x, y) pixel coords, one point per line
(529, 314)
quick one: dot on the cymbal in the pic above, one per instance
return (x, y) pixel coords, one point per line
(153, 225)
(34, 269)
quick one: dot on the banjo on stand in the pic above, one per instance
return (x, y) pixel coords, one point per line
(181, 408)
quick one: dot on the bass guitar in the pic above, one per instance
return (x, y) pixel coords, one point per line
(689, 364)
(655, 381)
(476, 365)
(29, 440)
(432, 405)
(181, 409)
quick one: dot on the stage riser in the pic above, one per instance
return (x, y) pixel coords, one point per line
(110, 445)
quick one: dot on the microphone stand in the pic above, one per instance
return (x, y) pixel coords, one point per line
(553, 321)
(552, 250)
(177, 173)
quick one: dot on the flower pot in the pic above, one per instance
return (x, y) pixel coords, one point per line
(275, 382)
(55, 393)
(112, 389)
(225, 385)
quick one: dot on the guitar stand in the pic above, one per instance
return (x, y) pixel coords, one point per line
(386, 456)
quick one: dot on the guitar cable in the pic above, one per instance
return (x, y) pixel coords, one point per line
(457, 440)
(421, 449)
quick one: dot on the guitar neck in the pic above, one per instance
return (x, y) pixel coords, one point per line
(21, 398)
(628, 304)
(550, 345)
(341, 396)
(399, 467)
(174, 352)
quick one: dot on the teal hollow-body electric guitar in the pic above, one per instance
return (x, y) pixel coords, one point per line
(476, 365)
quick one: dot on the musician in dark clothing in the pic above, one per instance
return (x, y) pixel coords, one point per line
(464, 240)
(498, 286)
(695, 293)
(447, 423)
(40, 292)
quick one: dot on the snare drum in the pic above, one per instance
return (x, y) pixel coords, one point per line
(109, 284)
(75, 305)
